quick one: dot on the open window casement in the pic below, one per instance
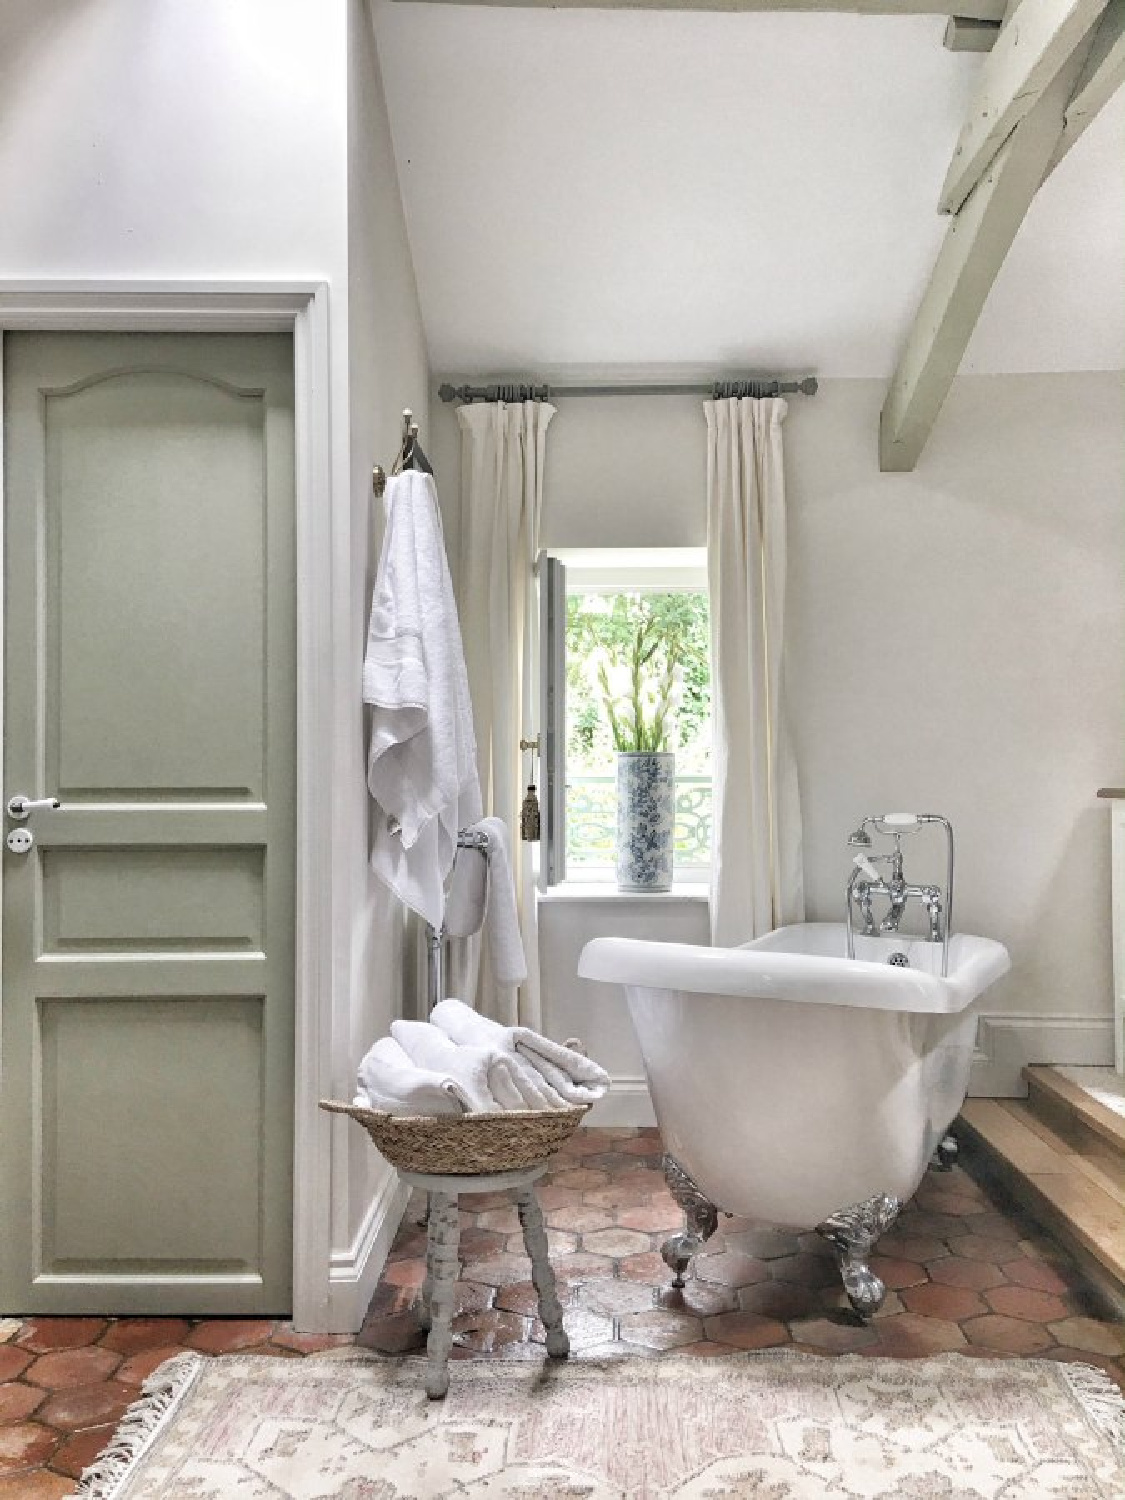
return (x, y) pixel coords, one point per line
(578, 799)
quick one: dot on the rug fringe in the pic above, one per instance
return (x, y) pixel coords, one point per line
(162, 1393)
(1099, 1397)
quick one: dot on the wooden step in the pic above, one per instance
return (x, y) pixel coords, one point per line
(1078, 1197)
(1092, 1158)
(1068, 1106)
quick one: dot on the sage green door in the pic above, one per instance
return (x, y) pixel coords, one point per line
(146, 1016)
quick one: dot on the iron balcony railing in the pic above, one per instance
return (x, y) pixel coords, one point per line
(591, 821)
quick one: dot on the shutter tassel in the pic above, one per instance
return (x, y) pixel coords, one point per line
(529, 816)
(530, 822)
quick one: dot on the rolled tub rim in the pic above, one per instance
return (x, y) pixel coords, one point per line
(797, 978)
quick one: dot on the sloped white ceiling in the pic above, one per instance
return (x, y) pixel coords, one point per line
(643, 190)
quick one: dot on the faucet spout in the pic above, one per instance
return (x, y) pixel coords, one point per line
(896, 892)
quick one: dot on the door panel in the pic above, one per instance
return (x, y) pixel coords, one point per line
(130, 900)
(154, 529)
(122, 1081)
(147, 1014)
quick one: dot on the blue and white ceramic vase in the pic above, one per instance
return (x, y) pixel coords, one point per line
(646, 818)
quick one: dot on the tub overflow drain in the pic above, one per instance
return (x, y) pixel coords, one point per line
(899, 960)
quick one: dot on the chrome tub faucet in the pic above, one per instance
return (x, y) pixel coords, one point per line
(866, 882)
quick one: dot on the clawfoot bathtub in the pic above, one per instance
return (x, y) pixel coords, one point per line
(797, 1087)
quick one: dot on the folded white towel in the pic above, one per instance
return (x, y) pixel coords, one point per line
(421, 768)
(569, 1074)
(515, 1079)
(488, 896)
(466, 900)
(388, 1080)
(428, 1047)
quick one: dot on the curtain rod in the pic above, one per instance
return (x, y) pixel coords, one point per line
(718, 390)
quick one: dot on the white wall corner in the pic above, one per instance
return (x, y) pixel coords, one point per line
(354, 1271)
(1008, 1043)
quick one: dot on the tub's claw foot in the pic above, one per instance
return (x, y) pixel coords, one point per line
(676, 1254)
(701, 1219)
(852, 1233)
(945, 1154)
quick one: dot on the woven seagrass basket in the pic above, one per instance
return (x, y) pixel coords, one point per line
(465, 1145)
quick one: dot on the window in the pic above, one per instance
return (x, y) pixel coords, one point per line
(603, 606)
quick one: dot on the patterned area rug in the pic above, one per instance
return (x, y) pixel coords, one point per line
(776, 1426)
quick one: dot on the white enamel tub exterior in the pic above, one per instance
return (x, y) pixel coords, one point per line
(790, 1081)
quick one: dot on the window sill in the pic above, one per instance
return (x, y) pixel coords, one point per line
(599, 891)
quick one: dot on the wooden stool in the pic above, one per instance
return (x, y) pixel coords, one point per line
(442, 1265)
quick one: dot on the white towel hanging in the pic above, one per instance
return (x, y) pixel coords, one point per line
(421, 767)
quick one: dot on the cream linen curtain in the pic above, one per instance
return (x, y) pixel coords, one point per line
(502, 452)
(756, 878)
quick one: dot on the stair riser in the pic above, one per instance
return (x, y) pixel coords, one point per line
(1078, 1136)
(1057, 1098)
(984, 1163)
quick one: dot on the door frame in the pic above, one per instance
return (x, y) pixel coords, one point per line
(301, 309)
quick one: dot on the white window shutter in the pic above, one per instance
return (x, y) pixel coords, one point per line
(552, 720)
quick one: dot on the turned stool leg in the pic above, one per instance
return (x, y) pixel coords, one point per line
(425, 1318)
(535, 1238)
(441, 1275)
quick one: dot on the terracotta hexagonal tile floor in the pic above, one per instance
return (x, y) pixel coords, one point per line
(964, 1273)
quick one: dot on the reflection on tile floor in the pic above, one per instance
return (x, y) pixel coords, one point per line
(964, 1273)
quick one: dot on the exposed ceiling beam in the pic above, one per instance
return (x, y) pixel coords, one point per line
(1035, 41)
(965, 35)
(980, 10)
(971, 255)
(1100, 79)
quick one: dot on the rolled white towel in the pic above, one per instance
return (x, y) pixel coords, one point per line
(492, 1077)
(569, 1074)
(388, 1080)
(428, 1047)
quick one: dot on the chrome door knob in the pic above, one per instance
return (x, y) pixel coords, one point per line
(21, 806)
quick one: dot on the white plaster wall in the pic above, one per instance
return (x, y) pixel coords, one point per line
(954, 645)
(597, 1013)
(156, 138)
(387, 372)
(956, 641)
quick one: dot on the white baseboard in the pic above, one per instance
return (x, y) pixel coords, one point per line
(627, 1103)
(355, 1272)
(1007, 1043)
